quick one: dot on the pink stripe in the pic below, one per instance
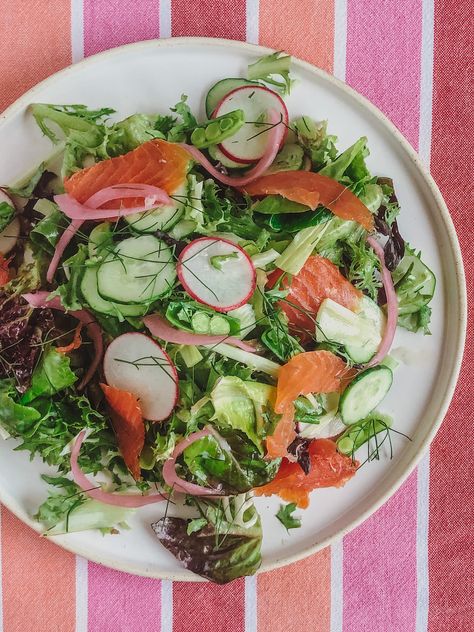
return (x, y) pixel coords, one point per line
(383, 58)
(109, 23)
(122, 603)
(383, 62)
(380, 568)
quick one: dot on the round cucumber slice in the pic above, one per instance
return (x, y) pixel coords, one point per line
(365, 393)
(221, 88)
(162, 218)
(138, 271)
(98, 304)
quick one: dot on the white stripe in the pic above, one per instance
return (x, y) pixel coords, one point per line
(1, 573)
(340, 38)
(251, 604)
(77, 30)
(422, 569)
(252, 16)
(426, 83)
(82, 593)
(337, 575)
(165, 18)
(166, 606)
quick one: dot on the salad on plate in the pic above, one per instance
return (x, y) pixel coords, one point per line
(199, 311)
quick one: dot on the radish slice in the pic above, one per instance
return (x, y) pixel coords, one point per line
(248, 144)
(134, 362)
(274, 139)
(216, 272)
(392, 306)
(87, 486)
(160, 328)
(41, 300)
(172, 479)
(9, 236)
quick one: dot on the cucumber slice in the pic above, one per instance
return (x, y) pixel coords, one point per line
(139, 270)
(365, 393)
(216, 154)
(360, 333)
(414, 283)
(100, 236)
(97, 303)
(335, 323)
(162, 218)
(370, 311)
(221, 88)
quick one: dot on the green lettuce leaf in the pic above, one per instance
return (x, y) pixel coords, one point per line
(285, 516)
(236, 470)
(53, 374)
(315, 140)
(242, 405)
(70, 292)
(221, 551)
(45, 235)
(7, 212)
(13, 414)
(273, 69)
(25, 189)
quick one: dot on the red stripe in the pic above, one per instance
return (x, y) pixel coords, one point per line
(34, 43)
(451, 486)
(208, 607)
(297, 597)
(38, 581)
(210, 18)
(304, 28)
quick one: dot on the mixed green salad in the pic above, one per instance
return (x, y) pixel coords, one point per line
(199, 309)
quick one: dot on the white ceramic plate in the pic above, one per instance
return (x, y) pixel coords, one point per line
(151, 76)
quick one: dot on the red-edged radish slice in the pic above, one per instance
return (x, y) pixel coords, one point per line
(134, 362)
(248, 144)
(217, 273)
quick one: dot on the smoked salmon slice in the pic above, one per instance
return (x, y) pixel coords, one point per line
(317, 280)
(328, 468)
(156, 162)
(127, 421)
(312, 189)
(310, 372)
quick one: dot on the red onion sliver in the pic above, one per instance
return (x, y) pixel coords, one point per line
(275, 136)
(122, 191)
(119, 500)
(74, 210)
(392, 305)
(61, 246)
(40, 300)
(172, 479)
(161, 329)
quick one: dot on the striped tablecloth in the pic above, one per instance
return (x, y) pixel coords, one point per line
(409, 567)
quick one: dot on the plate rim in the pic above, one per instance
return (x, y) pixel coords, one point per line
(460, 325)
